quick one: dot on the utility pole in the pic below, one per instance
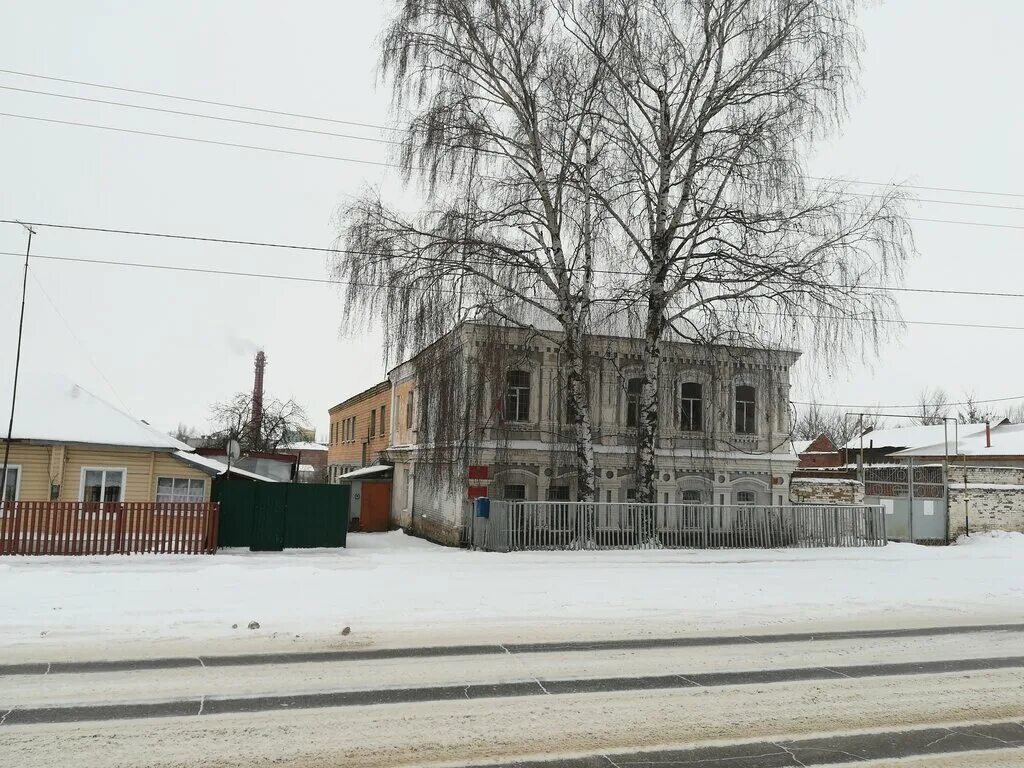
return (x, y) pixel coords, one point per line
(17, 364)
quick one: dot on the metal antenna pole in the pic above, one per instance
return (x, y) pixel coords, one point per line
(17, 365)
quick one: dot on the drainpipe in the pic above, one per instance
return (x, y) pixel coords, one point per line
(988, 435)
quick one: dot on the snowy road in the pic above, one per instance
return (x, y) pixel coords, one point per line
(955, 696)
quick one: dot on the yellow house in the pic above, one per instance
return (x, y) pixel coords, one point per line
(70, 445)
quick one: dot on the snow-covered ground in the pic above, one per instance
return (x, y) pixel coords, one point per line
(394, 589)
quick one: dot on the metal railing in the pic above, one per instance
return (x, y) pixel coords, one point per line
(533, 525)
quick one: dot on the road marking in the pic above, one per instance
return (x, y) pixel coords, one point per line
(807, 752)
(355, 698)
(512, 649)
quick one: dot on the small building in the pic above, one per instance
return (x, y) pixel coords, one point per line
(70, 445)
(985, 477)
(310, 460)
(359, 431)
(370, 498)
(277, 466)
(817, 453)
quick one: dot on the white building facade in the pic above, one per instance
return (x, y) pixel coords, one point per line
(724, 432)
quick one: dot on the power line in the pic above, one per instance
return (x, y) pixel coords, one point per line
(200, 115)
(321, 249)
(912, 186)
(539, 299)
(378, 126)
(913, 405)
(392, 142)
(341, 136)
(201, 101)
(200, 141)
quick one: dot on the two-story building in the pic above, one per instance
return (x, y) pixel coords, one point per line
(360, 430)
(724, 432)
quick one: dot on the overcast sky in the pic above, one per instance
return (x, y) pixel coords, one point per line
(939, 106)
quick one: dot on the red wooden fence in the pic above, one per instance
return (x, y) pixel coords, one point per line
(109, 528)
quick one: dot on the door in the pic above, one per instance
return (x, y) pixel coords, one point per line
(375, 506)
(268, 518)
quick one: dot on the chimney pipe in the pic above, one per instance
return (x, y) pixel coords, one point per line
(256, 423)
(988, 435)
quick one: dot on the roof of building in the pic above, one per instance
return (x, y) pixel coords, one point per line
(306, 446)
(58, 410)
(365, 472)
(801, 446)
(613, 330)
(900, 438)
(375, 389)
(214, 468)
(1006, 439)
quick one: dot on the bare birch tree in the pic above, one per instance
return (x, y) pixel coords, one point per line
(501, 143)
(709, 108)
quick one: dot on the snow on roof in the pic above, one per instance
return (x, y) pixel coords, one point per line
(210, 464)
(1007, 440)
(307, 468)
(303, 446)
(914, 437)
(58, 410)
(376, 469)
(801, 446)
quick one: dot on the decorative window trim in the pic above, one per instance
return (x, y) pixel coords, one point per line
(630, 398)
(531, 386)
(757, 406)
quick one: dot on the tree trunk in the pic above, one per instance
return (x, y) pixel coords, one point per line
(579, 401)
(648, 413)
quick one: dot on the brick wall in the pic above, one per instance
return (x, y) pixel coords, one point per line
(992, 500)
(807, 490)
(356, 435)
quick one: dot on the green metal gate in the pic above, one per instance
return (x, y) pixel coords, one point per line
(269, 517)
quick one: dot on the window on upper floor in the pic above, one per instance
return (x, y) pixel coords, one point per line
(517, 396)
(373, 423)
(383, 431)
(745, 405)
(408, 411)
(634, 388)
(691, 407)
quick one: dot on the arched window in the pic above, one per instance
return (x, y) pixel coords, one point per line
(691, 407)
(517, 396)
(745, 399)
(746, 498)
(691, 496)
(633, 389)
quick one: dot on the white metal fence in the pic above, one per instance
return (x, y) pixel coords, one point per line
(528, 525)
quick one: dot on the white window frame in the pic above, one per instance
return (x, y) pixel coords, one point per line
(17, 487)
(172, 478)
(17, 482)
(515, 392)
(104, 470)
